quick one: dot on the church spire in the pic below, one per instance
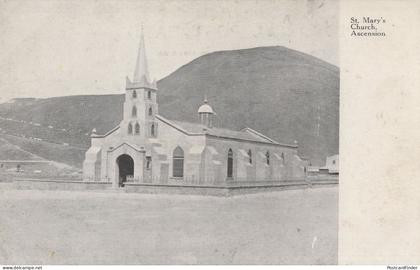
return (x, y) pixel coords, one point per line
(141, 73)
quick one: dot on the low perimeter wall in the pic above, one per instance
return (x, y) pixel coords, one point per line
(64, 184)
(214, 190)
(147, 188)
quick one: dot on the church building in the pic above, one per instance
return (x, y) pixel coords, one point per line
(149, 148)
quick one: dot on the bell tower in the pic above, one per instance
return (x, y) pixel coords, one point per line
(140, 105)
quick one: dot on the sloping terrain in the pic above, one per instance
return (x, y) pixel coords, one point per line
(66, 154)
(9, 151)
(16, 162)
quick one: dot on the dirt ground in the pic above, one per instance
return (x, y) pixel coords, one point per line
(68, 227)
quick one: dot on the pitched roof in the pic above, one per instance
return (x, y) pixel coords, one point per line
(246, 134)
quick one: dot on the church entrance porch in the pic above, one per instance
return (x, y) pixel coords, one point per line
(125, 164)
(125, 168)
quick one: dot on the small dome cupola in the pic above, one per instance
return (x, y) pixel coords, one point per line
(205, 114)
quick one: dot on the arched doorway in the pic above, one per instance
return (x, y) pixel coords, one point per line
(125, 167)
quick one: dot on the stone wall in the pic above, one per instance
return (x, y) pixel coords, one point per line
(217, 189)
(205, 158)
(192, 146)
(278, 169)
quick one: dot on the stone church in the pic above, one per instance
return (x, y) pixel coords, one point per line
(149, 148)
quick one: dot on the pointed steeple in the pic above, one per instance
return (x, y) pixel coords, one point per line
(141, 73)
(141, 78)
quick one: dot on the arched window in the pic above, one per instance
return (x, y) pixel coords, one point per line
(137, 128)
(178, 162)
(150, 111)
(149, 95)
(230, 164)
(282, 158)
(134, 111)
(250, 156)
(152, 130)
(130, 128)
(134, 94)
(267, 158)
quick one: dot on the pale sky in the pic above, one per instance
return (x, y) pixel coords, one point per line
(58, 48)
